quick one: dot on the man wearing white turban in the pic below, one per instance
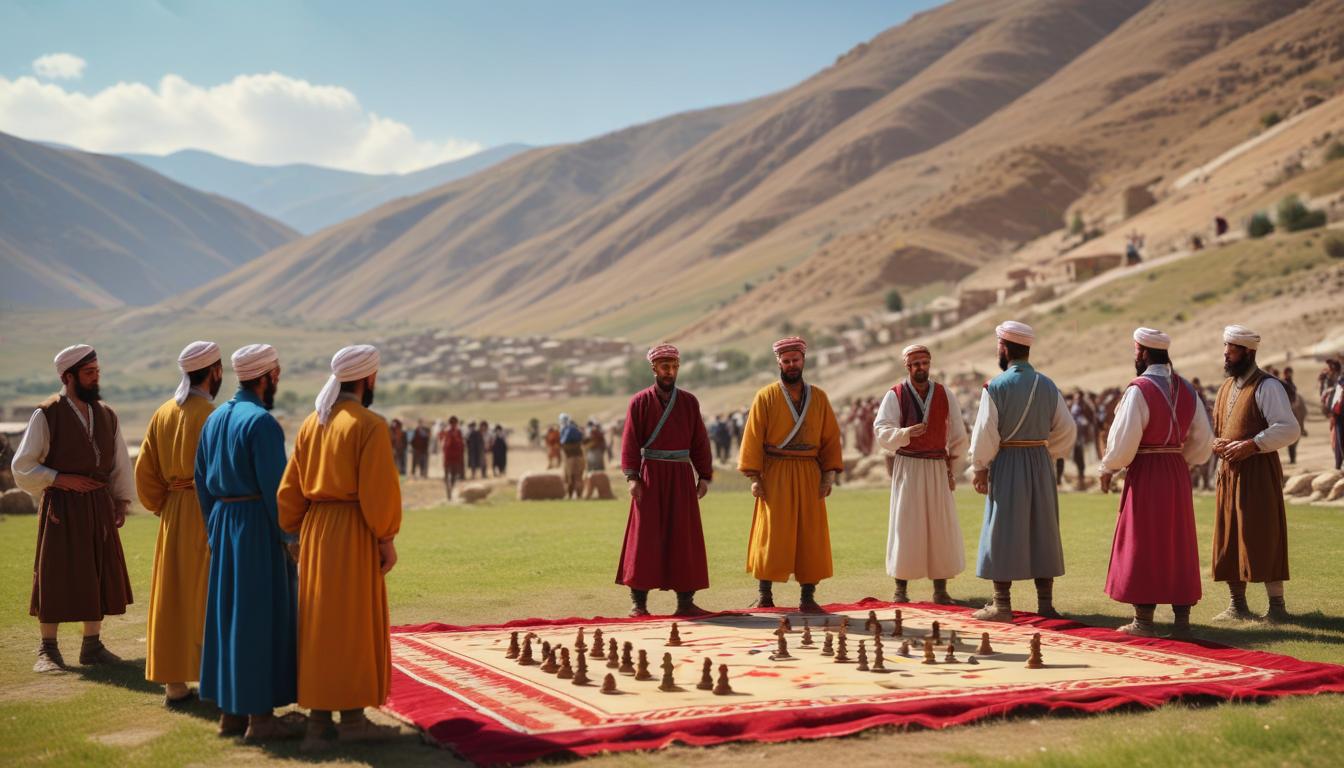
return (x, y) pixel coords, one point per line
(920, 421)
(248, 664)
(164, 473)
(571, 448)
(74, 459)
(1252, 420)
(341, 495)
(1160, 430)
(1022, 427)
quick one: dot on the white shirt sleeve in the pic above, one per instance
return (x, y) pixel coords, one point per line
(1198, 445)
(1063, 429)
(29, 473)
(957, 439)
(985, 433)
(1283, 429)
(1131, 419)
(122, 483)
(887, 425)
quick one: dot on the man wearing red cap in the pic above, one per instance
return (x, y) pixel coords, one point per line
(668, 465)
(791, 454)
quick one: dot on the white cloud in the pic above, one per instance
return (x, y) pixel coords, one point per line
(268, 119)
(59, 66)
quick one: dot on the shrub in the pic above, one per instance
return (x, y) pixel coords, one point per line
(1295, 216)
(1335, 152)
(1260, 225)
(1271, 119)
(894, 301)
(1076, 227)
(1334, 247)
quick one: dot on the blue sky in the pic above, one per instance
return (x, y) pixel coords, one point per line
(444, 76)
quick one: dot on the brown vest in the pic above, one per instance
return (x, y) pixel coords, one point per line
(70, 449)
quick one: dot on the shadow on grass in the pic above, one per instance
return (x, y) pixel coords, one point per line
(130, 674)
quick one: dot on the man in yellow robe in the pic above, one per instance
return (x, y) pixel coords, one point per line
(164, 473)
(791, 454)
(341, 494)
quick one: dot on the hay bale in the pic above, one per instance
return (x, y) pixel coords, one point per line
(1325, 481)
(1337, 491)
(17, 502)
(540, 486)
(597, 483)
(1298, 485)
(473, 492)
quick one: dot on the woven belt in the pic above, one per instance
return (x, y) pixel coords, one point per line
(780, 453)
(236, 499)
(188, 484)
(1160, 449)
(930, 455)
(655, 454)
(1023, 444)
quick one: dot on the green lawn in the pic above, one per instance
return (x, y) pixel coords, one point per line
(508, 559)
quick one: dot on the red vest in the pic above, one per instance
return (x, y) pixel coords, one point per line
(933, 443)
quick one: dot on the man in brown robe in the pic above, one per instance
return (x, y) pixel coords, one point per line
(1252, 420)
(74, 458)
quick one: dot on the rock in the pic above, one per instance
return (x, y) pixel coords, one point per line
(537, 486)
(1336, 492)
(597, 483)
(1325, 481)
(1298, 485)
(17, 502)
(472, 492)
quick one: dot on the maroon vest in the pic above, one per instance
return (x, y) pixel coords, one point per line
(933, 443)
(71, 451)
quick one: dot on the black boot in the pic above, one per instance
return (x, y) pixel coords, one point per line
(1045, 599)
(686, 605)
(940, 595)
(902, 594)
(92, 651)
(766, 599)
(639, 603)
(807, 602)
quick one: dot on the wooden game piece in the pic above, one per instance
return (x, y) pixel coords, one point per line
(841, 653)
(937, 633)
(581, 674)
(781, 648)
(627, 659)
(807, 634)
(897, 630)
(596, 652)
(844, 625)
(827, 649)
(545, 648)
(984, 649)
(668, 684)
(826, 623)
(783, 625)
(872, 625)
(525, 658)
(863, 657)
(706, 676)
(952, 637)
(613, 658)
(971, 660)
(674, 637)
(1034, 661)
(642, 672)
(609, 684)
(579, 645)
(549, 664)
(513, 651)
(928, 651)
(566, 671)
(879, 660)
(951, 656)
(722, 688)
(788, 625)
(905, 649)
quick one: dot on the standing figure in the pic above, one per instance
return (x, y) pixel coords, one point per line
(666, 459)
(920, 421)
(1022, 426)
(1160, 431)
(74, 459)
(165, 479)
(791, 453)
(1252, 420)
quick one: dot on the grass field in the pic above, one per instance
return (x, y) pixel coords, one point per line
(507, 560)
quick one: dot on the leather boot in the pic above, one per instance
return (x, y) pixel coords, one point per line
(639, 603)
(766, 598)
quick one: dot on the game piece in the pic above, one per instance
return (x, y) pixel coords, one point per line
(928, 651)
(937, 633)
(984, 649)
(826, 623)
(581, 674)
(642, 673)
(863, 657)
(807, 634)
(513, 646)
(844, 625)
(879, 660)
(627, 659)
(667, 684)
(613, 658)
(545, 649)
(548, 663)
(952, 637)
(525, 658)
(609, 684)
(722, 688)
(783, 625)
(579, 645)
(905, 649)
(788, 625)
(566, 671)
(951, 656)
(781, 648)
(872, 625)
(826, 648)
(897, 630)
(706, 677)
(596, 652)
(841, 653)
(971, 660)
(1034, 661)
(674, 637)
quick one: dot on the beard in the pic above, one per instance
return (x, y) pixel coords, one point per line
(214, 387)
(268, 393)
(791, 377)
(921, 377)
(666, 384)
(367, 398)
(1238, 369)
(1003, 361)
(1140, 365)
(89, 395)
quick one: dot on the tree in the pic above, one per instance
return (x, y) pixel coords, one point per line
(1077, 227)
(894, 301)
(1260, 225)
(1294, 215)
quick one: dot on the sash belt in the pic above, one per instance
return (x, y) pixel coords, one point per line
(1160, 449)
(939, 455)
(188, 484)
(234, 499)
(1023, 444)
(655, 454)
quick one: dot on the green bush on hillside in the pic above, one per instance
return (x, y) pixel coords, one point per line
(1334, 247)
(1260, 225)
(1295, 216)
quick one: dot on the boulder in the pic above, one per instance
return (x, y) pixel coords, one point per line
(597, 484)
(17, 502)
(472, 493)
(1325, 481)
(1298, 485)
(540, 486)
(1336, 492)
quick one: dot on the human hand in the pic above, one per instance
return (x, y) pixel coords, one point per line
(1240, 449)
(917, 430)
(757, 490)
(293, 549)
(387, 552)
(825, 487)
(951, 480)
(701, 489)
(1105, 481)
(76, 483)
(981, 481)
(119, 513)
(1220, 446)
(636, 487)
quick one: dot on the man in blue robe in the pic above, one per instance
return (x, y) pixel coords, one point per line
(249, 660)
(1023, 426)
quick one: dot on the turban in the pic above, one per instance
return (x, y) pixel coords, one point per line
(915, 349)
(564, 418)
(790, 344)
(664, 352)
(70, 356)
(349, 364)
(1018, 333)
(1241, 336)
(1152, 338)
(253, 360)
(196, 355)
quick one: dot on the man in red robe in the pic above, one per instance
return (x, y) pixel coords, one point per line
(1159, 431)
(668, 465)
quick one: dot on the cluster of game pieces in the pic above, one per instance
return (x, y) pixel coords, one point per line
(558, 661)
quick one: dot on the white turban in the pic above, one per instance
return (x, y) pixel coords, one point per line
(67, 357)
(915, 349)
(349, 364)
(253, 360)
(1241, 336)
(564, 419)
(1018, 333)
(196, 355)
(1152, 338)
